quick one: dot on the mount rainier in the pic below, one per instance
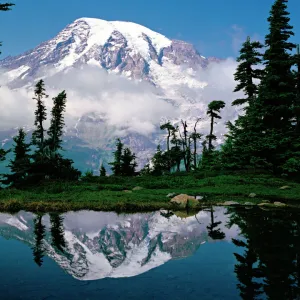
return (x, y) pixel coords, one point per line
(122, 79)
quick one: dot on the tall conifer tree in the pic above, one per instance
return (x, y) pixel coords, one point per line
(38, 136)
(55, 131)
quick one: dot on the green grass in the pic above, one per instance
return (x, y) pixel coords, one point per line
(108, 193)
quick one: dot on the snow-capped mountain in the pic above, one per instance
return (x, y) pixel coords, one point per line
(100, 245)
(120, 47)
(132, 51)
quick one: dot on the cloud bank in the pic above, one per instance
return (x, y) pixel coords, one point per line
(124, 103)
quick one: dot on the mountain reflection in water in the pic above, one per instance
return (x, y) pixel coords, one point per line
(95, 245)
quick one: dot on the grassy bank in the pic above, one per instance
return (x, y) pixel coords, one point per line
(117, 193)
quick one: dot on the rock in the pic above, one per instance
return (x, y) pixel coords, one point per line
(229, 203)
(252, 195)
(285, 187)
(137, 188)
(249, 204)
(199, 198)
(265, 201)
(171, 195)
(183, 200)
(127, 191)
(265, 204)
(279, 204)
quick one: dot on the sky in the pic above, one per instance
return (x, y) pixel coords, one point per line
(215, 27)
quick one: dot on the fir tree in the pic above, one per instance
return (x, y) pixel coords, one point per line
(40, 116)
(55, 131)
(213, 111)
(102, 171)
(169, 128)
(20, 165)
(39, 248)
(195, 136)
(116, 164)
(57, 232)
(245, 73)
(128, 163)
(277, 91)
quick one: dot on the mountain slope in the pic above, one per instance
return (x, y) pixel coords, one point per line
(170, 67)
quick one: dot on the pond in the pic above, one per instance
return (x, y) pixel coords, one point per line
(218, 253)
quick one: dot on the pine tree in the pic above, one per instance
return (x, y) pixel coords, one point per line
(297, 98)
(20, 165)
(245, 73)
(102, 171)
(116, 164)
(195, 136)
(6, 6)
(55, 131)
(277, 91)
(57, 232)
(169, 128)
(40, 116)
(39, 248)
(128, 163)
(214, 108)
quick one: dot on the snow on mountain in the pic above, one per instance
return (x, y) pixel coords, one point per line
(101, 244)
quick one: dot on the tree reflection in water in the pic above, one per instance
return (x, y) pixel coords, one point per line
(270, 263)
(39, 232)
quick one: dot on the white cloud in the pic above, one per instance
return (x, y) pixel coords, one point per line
(125, 103)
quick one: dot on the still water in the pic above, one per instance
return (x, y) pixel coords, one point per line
(218, 253)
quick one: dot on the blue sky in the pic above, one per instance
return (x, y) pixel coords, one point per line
(215, 27)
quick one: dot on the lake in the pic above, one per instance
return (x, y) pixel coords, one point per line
(218, 253)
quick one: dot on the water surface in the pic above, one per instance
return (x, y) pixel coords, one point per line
(216, 254)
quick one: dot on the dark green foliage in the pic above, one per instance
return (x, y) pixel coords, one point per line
(20, 165)
(213, 111)
(128, 163)
(245, 73)
(102, 171)
(124, 163)
(38, 135)
(55, 130)
(3, 154)
(214, 232)
(6, 6)
(170, 128)
(116, 164)
(39, 248)
(57, 232)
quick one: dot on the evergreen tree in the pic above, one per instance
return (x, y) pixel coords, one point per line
(195, 136)
(277, 91)
(20, 165)
(128, 163)
(160, 165)
(40, 116)
(214, 232)
(39, 232)
(6, 6)
(55, 131)
(214, 108)
(297, 98)
(102, 171)
(57, 232)
(116, 164)
(3, 154)
(169, 128)
(245, 73)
